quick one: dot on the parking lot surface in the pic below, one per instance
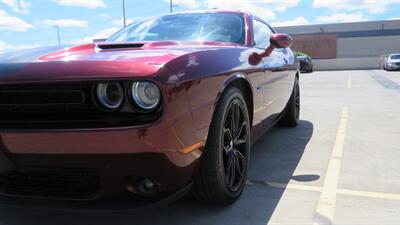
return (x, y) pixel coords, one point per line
(341, 165)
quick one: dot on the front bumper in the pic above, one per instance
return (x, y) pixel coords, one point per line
(91, 164)
(394, 67)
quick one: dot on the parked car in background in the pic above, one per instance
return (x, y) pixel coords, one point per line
(164, 106)
(306, 64)
(392, 62)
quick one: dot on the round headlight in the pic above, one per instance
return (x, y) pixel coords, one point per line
(110, 95)
(146, 95)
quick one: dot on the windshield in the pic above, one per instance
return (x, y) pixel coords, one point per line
(394, 57)
(223, 27)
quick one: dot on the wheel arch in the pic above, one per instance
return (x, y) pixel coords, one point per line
(240, 81)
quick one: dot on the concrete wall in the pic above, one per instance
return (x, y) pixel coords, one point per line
(347, 63)
(367, 46)
(384, 25)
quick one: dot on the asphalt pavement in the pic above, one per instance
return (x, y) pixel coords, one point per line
(341, 165)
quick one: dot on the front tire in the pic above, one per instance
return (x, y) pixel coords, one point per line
(222, 176)
(291, 114)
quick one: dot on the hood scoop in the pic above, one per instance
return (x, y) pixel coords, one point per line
(111, 46)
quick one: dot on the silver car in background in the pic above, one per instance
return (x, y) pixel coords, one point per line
(392, 62)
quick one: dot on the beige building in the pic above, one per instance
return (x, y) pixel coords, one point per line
(347, 45)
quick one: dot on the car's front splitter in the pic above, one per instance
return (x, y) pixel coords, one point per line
(121, 203)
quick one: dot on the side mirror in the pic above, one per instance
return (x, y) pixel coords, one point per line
(281, 40)
(277, 41)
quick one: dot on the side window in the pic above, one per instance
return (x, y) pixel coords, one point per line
(262, 33)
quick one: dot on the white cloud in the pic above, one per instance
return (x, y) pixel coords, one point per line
(5, 47)
(373, 6)
(91, 4)
(192, 4)
(18, 6)
(120, 22)
(249, 6)
(341, 18)
(12, 23)
(394, 18)
(296, 21)
(262, 8)
(65, 23)
(106, 33)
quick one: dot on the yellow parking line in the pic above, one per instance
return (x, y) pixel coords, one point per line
(302, 187)
(327, 200)
(349, 82)
(294, 186)
(369, 194)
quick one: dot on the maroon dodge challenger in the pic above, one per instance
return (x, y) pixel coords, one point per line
(164, 107)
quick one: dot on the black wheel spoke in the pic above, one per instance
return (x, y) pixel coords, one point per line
(239, 159)
(241, 136)
(227, 140)
(231, 170)
(239, 155)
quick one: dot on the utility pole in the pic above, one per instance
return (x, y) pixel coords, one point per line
(170, 6)
(58, 34)
(123, 12)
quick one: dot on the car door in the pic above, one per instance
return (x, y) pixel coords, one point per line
(278, 80)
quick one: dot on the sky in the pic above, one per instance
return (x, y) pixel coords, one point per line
(30, 23)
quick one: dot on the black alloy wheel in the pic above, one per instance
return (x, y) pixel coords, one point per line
(234, 145)
(222, 176)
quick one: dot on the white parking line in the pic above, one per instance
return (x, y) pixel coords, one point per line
(327, 201)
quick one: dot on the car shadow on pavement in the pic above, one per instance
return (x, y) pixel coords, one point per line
(275, 157)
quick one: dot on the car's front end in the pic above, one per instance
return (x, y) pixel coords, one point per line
(393, 62)
(306, 64)
(76, 125)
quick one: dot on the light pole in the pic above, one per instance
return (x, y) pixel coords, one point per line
(123, 12)
(58, 34)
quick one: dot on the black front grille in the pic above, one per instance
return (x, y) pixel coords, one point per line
(398, 64)
(61, 105)
(51, 183)
(46, 99)
(41, 97)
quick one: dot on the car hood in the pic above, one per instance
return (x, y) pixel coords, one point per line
(394, 60)
(96, 60)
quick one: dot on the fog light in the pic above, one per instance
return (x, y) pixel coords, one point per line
(146, 186)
